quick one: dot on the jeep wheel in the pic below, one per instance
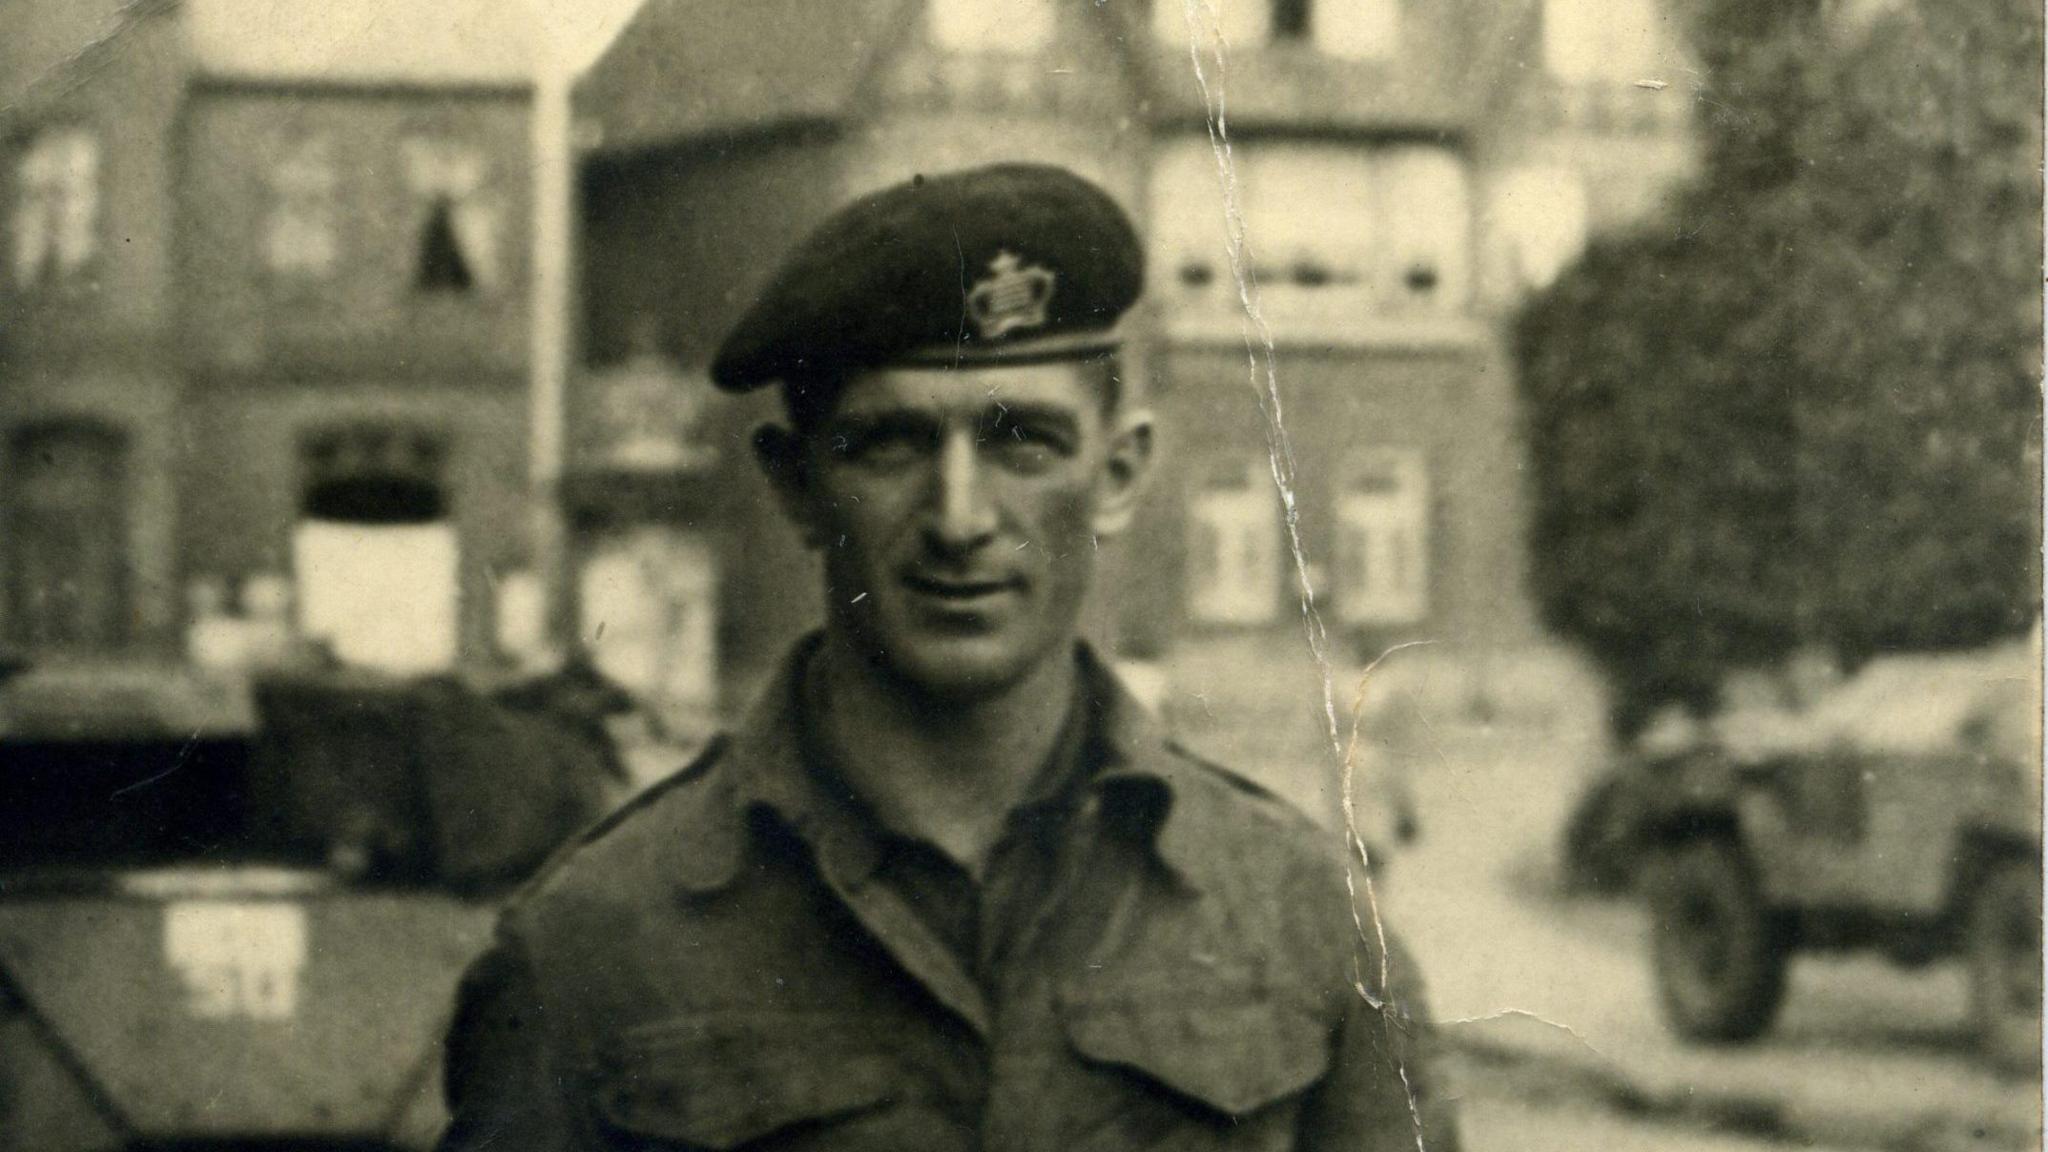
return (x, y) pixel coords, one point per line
(1720, 955)
(2004, 954)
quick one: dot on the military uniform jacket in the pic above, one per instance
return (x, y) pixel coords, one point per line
(713, 968)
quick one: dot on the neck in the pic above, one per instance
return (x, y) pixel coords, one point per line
(944, 770)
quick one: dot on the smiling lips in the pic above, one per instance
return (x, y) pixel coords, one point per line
(957, 590)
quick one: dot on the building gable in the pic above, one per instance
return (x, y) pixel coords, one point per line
(681, 71)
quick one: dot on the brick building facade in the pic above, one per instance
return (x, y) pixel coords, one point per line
(262, 352)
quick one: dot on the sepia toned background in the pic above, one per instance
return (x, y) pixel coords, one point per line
(1550, 388)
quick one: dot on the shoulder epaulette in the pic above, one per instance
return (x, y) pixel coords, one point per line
(697, 769)
(1235, 779)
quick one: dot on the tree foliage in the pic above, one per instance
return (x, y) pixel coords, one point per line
(1806, 408)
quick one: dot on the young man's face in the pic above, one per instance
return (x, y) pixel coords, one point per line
(959, 512)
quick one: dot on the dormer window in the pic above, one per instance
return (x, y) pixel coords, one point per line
(56, 207)
(1239, 23)
(1290, 19)
(991, 26)
(1349, 29)
(457, 238)
(1601, 41)
(1358, 29)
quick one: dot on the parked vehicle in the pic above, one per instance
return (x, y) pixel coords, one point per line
(1899, 812)
(233, 910)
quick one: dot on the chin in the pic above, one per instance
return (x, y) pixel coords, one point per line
(957, 668)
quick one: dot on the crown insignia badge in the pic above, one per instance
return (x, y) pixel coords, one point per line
(1012, 296)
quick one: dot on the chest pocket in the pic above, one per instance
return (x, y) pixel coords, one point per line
(1195, 1072)
(758, 1081)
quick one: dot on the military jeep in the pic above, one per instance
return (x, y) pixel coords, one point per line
(1898, 813)
(233, 909)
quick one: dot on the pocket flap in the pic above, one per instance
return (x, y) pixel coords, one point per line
(725, 1082)
(1235, 1056)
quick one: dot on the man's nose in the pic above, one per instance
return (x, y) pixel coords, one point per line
(962, 517)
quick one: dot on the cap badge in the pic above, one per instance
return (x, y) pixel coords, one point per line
(1012, 296)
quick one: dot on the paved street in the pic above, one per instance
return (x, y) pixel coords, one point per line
(1559, 1042)
(1505, 1123)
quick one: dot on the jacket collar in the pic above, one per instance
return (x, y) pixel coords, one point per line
(1147, 788)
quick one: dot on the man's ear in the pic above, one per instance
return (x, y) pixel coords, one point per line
(780, 453)
(1125, 472)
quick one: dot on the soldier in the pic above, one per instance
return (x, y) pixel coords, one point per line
(946, 887)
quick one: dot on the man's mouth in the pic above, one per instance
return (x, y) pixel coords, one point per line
(957, 589)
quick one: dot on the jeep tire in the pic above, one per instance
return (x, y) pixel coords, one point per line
(2003, 950)
(1720, 956)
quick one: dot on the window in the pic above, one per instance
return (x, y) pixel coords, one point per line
(1290, 19)
(1234, 548)
(1383, 538)
(300, 238)
(1334, 235)
(1238, 23)
(65, 537)
(1600, 40)
(1358, 29)
(991, 25)
(1190, 235)
(374, 555)
(56, 209)
(1428, 228)
(1352, 29)
(1537, 217)
(1308, 228)
(458, 230)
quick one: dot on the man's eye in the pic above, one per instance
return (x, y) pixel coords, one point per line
(1023, 446)
(882, 448)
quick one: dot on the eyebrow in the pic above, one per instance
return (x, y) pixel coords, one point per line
(995, 414)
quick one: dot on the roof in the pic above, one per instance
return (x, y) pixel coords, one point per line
(684, 69)
(55, 45)
(42, 37)
(453, 43)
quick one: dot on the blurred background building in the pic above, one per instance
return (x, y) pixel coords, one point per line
(263, 333)
(266, 366)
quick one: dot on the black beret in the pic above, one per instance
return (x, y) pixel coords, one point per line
(1005, 264)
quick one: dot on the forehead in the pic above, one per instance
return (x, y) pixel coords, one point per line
(1059, 386)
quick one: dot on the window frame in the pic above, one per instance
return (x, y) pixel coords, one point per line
(72, 240)
(1322, 32)
(1366, 521)
(1360, 241)
(1240, 519)
(1608, 56)
(304, 200)
(1248, 25)
(1044, 27)
(446, 171)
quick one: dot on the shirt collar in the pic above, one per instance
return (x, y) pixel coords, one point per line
(1147, 788)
